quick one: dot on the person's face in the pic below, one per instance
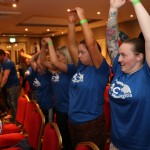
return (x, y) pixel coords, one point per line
(61, 57)
(128, 59)
(27, 61)
(84, 56)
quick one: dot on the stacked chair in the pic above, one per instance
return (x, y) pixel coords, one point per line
(31, 131)
(87, 146)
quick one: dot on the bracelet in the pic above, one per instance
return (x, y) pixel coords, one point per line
(136, 2)
(50, 43)
(83, 21)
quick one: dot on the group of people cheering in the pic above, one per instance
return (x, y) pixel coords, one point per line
(76, 89)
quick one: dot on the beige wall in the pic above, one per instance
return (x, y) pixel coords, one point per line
(25, 43)
(29, 42)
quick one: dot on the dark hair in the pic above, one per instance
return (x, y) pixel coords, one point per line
(123, 36)
(139, 45)
(141, 36)
(83, 42)
(2, 52)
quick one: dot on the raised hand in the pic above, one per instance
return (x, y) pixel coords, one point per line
(117, 3)
(43, 42)
(47, 39)
(73, 17)
(80, 13)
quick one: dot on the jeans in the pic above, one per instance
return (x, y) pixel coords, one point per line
(12, 99)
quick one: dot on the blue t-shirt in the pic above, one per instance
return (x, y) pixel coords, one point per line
(12, 78)
(41, 85)
(130, 108)
(86, 93)
(60, 85)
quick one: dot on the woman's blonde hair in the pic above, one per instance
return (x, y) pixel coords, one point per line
(64, 51)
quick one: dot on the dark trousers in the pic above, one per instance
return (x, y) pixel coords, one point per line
(94, 131)
(62, 122)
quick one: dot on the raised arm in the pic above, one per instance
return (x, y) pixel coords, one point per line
(91, 43)
(33, 61)
(144, 22)
(24, 55)
(43, 59)
(53, 56)
(72, 43)
(112, 28)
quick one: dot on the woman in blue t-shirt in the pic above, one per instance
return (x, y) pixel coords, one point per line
(129, 90)
(39, 79)
(86, 92)
(61, 60)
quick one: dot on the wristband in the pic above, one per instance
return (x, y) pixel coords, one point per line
(136, 2)
(50, 43)
(83, 21)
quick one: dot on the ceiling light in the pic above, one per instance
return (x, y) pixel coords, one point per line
(26, 29)
(14, 5)
(9, 3)
(131, 16)
(98, 13)
(68, 10)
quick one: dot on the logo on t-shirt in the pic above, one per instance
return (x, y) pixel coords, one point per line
(78, 77)
(120, 90)
(36, 83)
(55, 78)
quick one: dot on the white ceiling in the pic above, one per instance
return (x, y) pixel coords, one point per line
(40, 15)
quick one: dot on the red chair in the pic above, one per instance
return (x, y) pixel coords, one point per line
(32, 106)
(52, 139)
(87, 146)
(34, 123)
(20, 116)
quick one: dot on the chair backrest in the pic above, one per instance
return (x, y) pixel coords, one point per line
(52, 138)
(31, 106)
(35, 128)
(87, 146)
(21, 108)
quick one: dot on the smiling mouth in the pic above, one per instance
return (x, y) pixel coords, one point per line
(122, 66)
